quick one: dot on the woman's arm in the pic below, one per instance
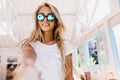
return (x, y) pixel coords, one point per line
(29, 53)
(69, 67)
(26, 70)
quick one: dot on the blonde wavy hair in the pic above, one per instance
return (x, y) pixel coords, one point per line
(59, 28)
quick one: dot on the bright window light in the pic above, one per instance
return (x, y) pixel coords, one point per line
(91, 6)
(3, 3)
(4, 29)
(93, 11)
(115, 41)
(116, 31)
(102, 10)
(2, 32)
(0, 3)
(119, 3)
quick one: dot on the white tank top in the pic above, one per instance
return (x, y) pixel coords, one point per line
(48, 60)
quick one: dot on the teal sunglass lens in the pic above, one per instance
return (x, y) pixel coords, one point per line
(40, 17)
(51, 17)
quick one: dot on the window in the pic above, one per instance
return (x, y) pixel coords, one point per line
(3, 3)
(92, 11)
(115, 37)
(119, 3)
(4, 28)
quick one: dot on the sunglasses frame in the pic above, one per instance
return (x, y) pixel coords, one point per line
(45, 16)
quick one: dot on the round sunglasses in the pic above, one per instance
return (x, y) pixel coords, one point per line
(41, 17)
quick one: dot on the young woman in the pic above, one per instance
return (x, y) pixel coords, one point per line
(46, 53)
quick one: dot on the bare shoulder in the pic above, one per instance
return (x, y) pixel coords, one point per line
(29, 52)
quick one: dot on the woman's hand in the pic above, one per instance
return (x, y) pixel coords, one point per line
(26, 71)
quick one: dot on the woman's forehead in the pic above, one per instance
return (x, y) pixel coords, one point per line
(45, 9)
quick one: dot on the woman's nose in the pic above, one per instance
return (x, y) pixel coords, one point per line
(45, 19)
